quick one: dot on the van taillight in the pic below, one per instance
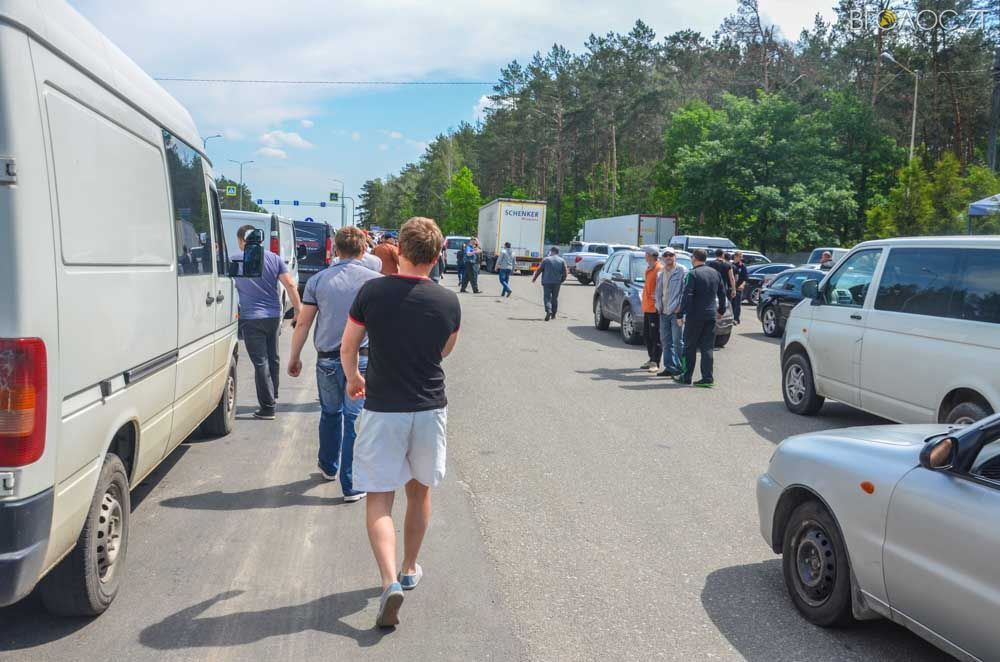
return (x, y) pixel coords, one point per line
(23, 387)
(275, 246)
(329, 250)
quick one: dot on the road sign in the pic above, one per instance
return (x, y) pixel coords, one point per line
(322, 204)
(334, 197)
(295, 203)
(374, 228)
(308, 219)
(230, 191)
(260, 201)
(277, 202)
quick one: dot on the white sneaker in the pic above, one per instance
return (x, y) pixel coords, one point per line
(326, 475)
(355, 497)
(647, 365)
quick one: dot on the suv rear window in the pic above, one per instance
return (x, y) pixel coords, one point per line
(455, 244)
(305, 232)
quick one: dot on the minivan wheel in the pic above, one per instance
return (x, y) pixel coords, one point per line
(86, 582)
(600, 321)
(797, 386)
(220, 422)
(769, 322)
(815, 566)
(630, 334)
(967, 413)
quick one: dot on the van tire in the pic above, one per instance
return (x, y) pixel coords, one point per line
(796, 372)
(967, 412)
(220, 422)
(74, 587)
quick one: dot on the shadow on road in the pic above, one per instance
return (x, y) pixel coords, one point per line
(626, 375)
(773, 421)
(759, 335)
(750, 607)
(143, 489)
(609, 338)
(275, 496)
(188, 629)
(26, 624)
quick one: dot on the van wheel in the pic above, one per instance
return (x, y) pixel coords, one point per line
(86, 582)
(967, 413)
(798, 388)
(220, 421)
(814, 563)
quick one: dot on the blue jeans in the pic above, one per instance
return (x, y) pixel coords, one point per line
(505, 281)
(672, 339)
(338, 413)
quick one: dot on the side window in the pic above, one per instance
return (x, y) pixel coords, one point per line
(603, 250)
(612, 264)
(849, 284)
(222, 252)
(192, 227)
(779, 283)
(977, 297)
(987, 463)
(287, 241)
(919, 281)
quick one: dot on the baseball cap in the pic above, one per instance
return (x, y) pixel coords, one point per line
(668, 251)
(651, 250)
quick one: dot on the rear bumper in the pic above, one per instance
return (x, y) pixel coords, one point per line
(24, 537)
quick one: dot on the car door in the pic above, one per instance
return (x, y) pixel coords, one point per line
(225, 295)
(838, 326)
(610, 293)
(940, 561)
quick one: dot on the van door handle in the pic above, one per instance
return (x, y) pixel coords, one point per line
(220, 297)
(855, 316)
(209, 299)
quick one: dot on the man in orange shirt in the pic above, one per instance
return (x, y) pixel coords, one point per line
(388, 252)
(650, 317)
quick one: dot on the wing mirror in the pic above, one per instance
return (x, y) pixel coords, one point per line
(301, 252)
(810, 289)
(252, 264)
(939, 455)
(618, 277)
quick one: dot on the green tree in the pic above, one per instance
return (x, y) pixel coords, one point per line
(950, 197)
(908, 210)
(464, 200)
(227, 202)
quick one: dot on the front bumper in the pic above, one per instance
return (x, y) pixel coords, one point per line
(768, 494)
(24, 538)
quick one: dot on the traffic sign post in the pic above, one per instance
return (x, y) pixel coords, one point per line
(230, 191)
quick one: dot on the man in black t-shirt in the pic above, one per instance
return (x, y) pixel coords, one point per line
(412, 324)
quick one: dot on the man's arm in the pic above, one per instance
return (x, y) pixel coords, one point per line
(688, 295)
(450, 345)
(720, 294)
(538, 272)
(658, 291)
(350, 345)
(302, 326)
(732, 281)
(293, 292)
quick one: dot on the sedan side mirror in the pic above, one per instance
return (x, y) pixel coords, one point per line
(939, 455)
(810, 289)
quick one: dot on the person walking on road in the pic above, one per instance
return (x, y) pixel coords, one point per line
(328, 297)
(669, 288)
(411, 325)
(505, 265)
(260, 319)
(554, 272)
(650, 316)
(741, 274)
(460, 265)
(473, 253)
(389, 254)
(703, 303)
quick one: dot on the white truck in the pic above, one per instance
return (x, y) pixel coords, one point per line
(520, 222)
(632, 229)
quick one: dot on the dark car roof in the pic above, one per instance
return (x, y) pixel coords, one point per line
(802, 270)
(756, 267)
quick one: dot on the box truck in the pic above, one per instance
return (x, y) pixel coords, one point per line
(632, 229)
(521, 222)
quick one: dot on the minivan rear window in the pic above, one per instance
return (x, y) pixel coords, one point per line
(455, 244)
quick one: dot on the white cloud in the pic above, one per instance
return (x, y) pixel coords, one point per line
(272, 153)
(307, 124)
(285, 139)
(420, 145)
(355, 135)
(482, 106)
(383, 147)
(233, 134)
(395, 135)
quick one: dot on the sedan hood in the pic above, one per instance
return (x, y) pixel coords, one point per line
(893, 435)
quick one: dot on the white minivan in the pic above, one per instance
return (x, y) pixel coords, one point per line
(908, 329)
(282, 242)
(117, 311)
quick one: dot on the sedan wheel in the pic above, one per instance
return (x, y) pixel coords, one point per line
(815, 566)
(755, 296)
(770, 323)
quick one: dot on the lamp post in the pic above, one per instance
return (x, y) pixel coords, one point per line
(887, 56)
(341, 201)
(204, 141)
(352, 210)
(240, 190)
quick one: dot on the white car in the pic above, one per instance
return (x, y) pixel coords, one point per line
(897, 522)
(452, 244)
(908, 329)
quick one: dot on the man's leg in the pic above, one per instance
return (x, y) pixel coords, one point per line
(677, 333)
(706, 346)
(651, 334)
(555, 298)
(273, 360)
(382, 534)
(351, 408)
(692, 330)
(737, 304)
(461, 276)
(331, 419)
(418, 516)
(255, 339)
(547, 298)
(475, 278)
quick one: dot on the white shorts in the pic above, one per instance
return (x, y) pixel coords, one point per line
(392, 448)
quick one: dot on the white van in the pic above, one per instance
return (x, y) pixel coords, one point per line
(282, 242)
(117, 316)
(908, 329)
(452, 244)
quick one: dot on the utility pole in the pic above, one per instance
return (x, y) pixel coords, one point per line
(342, 206)
(992, 158)
(204, 141)
(240, 190)
(887, 56)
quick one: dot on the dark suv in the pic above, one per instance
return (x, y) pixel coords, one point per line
(317, 238)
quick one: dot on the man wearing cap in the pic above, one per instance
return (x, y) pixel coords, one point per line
(650, 316)
(669, 288)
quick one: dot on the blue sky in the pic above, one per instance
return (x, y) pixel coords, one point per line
(302, 137)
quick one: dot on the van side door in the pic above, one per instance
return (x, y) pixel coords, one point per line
(196, 288)
(225, 293)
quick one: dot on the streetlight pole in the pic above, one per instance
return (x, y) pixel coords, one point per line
(352, 209)
(887, 56)
(204, 141)
(241, 164)
(342, 191)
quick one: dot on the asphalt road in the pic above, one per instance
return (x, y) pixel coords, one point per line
(591, 511)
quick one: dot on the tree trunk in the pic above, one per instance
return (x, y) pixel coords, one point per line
(614, 167)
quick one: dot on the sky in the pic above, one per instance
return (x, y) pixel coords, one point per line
(304, 139)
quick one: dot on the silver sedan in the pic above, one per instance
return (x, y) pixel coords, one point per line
(896, 521)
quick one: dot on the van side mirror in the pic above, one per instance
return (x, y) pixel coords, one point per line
(939, 455)
(810, 289)
(253, 257)
(301, 252)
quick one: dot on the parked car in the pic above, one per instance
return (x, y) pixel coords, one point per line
(751, 258)
(908, 329)
(777, 301)
(452, 244)
(586, 259)
(618, 298)
(816, 257)
(118, 330)
(756, 275)
(892, 521)
(689, 242)
(282, 242)
(317, 240)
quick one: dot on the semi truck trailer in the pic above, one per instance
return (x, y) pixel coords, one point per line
(632, 229)
(520, 222)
